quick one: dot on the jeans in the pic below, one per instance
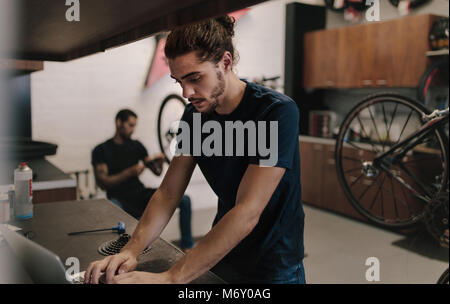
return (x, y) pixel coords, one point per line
(185, 220)
(294, 275)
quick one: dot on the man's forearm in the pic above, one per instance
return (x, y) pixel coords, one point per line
(109, 181)
(224, 236)
(157, 214)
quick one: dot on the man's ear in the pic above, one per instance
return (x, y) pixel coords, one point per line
(118, 123)
(227, 60)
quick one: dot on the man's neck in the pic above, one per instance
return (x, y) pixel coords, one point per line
(117, 139)
(233, 95)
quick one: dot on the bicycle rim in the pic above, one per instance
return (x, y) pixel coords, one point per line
(171, 110)
(382, 194)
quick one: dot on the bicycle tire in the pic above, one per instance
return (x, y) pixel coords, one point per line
(427, 79)
(369, 149)
(443, 279)
(413, 4)
(162, 144)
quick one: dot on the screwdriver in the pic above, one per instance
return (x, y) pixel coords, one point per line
(120, 228)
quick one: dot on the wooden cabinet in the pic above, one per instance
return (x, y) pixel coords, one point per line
(320, 185)
(311, 158)
(381, 54)
(54, 195)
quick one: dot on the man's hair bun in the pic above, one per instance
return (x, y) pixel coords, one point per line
(228, 23)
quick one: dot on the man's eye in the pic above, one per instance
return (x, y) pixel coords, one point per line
(195, 79)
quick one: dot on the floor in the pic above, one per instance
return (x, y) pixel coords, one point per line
(342, 250)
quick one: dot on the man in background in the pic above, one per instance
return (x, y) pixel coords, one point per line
(119, 161)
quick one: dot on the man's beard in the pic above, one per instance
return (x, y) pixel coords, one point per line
(217, 92)
(124, 136)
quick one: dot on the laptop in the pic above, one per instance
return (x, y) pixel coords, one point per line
(40, 264)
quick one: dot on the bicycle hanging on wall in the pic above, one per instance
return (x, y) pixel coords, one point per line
(171, 110)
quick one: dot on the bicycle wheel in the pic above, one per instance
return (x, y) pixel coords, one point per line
(444, 278)
(171, 110)
(433, 90)
(391, 192)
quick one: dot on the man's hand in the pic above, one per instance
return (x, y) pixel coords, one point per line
(156, 164)
(136, 170)
(139, 277)
(119, 263)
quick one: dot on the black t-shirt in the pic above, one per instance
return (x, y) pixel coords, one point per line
(118, 158)
(276, 243)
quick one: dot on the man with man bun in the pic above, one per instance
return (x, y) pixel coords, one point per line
(257, 234)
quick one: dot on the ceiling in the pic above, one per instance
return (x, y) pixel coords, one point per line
(43, 32)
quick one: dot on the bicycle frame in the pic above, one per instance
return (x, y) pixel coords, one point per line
(436, 120)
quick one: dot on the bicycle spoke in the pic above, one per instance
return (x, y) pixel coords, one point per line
(388, 191)
(415, 180)
(385, 123)
(353, 145)
(351, 158)
(379, 188)
(393, 116)
(406, 199)
(356, 180)
(405, 184)
(375, 125)
(352, 170)
(366, 135)
(404, 127)
(365, 190)
(395, 199)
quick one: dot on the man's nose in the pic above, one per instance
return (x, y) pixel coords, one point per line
(188, 91)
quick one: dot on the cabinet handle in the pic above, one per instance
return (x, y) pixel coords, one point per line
(381, 82)
(367, 82)
(329, 83)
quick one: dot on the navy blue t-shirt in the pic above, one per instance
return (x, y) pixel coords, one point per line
(276, 243)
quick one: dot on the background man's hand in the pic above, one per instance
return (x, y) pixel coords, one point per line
(136, 170)
(156, 164)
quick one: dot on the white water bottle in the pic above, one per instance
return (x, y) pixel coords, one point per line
(23, 198)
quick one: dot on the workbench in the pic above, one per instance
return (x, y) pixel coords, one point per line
(53, 221)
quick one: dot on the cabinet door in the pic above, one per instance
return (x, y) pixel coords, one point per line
(350, 57)
(311, 159)
(320, 59)
(384, 54)
(333, 195)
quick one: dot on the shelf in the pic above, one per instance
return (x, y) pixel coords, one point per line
(437, 53)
